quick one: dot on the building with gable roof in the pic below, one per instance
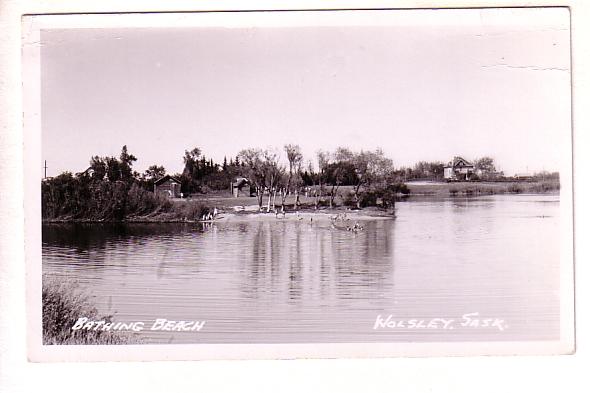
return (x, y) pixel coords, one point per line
(168, 186)
(459, 169)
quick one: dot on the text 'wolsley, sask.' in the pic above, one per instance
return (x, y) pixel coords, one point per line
(470, 320)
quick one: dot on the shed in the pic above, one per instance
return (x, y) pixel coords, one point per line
(168, 186)
(241, 184)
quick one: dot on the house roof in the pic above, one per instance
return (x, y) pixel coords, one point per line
(166, 178)
(241, 181)
(459, 162)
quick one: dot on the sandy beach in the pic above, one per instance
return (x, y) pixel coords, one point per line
(251, 213)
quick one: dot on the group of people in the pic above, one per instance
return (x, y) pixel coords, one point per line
(342, 217)
(355, 228)
(210, 216)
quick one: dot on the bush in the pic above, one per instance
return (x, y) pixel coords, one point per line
(62, 305)
(399, 188)
(191, 210)
(386, 195)
(348, 200)
(369, 198)
(515, 188)
(66, 197)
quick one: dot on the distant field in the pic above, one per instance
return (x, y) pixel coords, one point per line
(471, 188)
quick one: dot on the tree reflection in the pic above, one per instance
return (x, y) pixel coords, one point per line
(322, 264)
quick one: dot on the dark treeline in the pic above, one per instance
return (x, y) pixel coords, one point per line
(202, 174)
(110, 189)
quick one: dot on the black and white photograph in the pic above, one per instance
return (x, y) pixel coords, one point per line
(299, 183)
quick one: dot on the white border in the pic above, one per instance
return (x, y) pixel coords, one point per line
(484, 374)
(32, 25)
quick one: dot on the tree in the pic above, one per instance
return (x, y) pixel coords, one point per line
(370, 167)
(126, 164)
(98, 167)
(155, 172)
(254, 170)
(190, 160)
(151, 175)
(113, 168)
(272, 175)
(485, 166)
(323, 162)
(437, 170)
(191, 174)
(334, 170)
(295, 159)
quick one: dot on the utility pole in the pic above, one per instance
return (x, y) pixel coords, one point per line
(45, 167)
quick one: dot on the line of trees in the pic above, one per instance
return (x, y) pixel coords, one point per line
(110, 189)
(365, 171)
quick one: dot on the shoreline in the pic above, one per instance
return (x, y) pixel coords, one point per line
(225, 216)
(251, 212)
(245, 208)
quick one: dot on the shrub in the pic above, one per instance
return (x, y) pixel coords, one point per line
(62, 305)
(369, 198)
(399, 188)
(191, 210)
(348, 200)
(386, 194)
(84, 198)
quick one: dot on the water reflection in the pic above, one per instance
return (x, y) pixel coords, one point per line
(295, 281)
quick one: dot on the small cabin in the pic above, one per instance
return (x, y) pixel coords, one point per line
(167, 186)
(241, 184)
(458, 169)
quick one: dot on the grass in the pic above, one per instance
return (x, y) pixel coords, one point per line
(483, 188)
(224, 200)
(63, 304)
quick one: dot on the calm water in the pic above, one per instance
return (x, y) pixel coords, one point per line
(295, 282)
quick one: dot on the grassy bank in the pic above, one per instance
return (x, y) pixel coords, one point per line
(63, 303)
(138, 205)
(483, 188)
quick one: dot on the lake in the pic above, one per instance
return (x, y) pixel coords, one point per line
(290, 281)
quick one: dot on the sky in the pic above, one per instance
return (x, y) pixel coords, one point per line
(420, 85)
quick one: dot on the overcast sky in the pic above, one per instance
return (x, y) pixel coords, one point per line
(498, 87)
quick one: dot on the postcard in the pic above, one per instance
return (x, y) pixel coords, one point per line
(298, 184)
